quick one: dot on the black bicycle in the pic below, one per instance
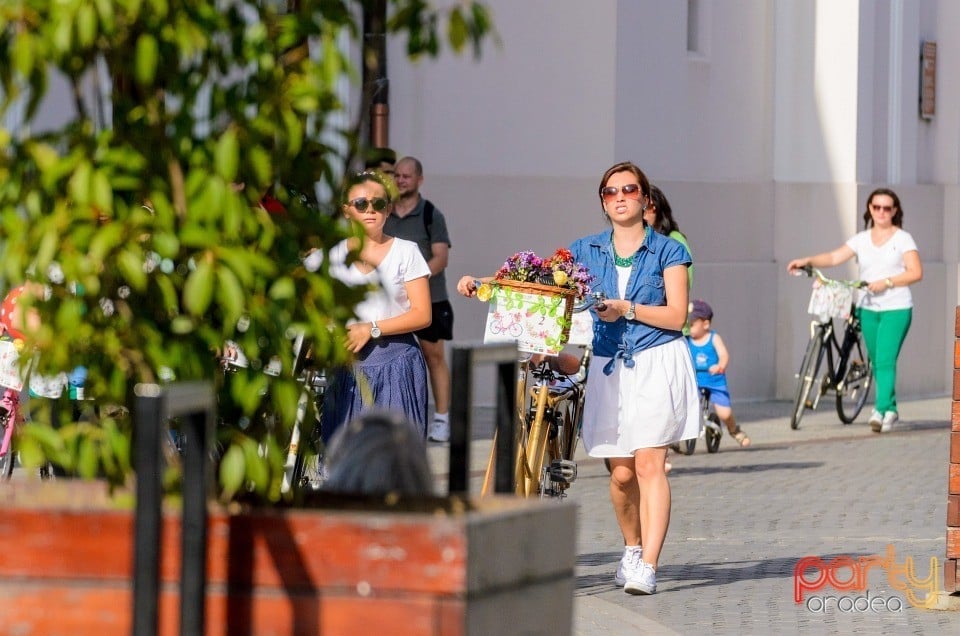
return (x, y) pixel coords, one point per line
(848, 371)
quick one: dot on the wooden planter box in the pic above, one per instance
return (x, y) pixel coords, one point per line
(344, 566)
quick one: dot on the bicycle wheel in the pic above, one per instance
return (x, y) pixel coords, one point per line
(713, 435)
(687, 446)
(856, 382)
(809, 369)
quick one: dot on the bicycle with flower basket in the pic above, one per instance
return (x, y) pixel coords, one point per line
(547, 297)
(848, 370)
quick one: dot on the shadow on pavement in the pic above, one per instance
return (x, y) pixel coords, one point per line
(694, 575)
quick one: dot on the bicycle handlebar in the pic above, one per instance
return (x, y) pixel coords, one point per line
(592, 299)
(810, 270)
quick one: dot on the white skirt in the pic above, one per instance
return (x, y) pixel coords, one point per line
(654, 403)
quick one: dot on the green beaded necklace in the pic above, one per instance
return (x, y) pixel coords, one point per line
(620, 261)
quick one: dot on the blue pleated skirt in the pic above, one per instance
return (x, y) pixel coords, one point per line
(389, 373)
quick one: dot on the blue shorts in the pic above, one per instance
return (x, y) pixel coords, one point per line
(720, 397)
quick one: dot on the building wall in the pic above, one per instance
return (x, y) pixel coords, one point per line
(766, 138)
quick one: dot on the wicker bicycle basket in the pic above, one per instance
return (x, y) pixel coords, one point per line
(536, 316)
(830, 300)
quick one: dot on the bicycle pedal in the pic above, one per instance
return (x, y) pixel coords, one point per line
(563, 471)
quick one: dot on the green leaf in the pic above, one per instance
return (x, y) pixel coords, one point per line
(232, 472)
(23, 54)
(283, 289)
(130, 262)
(86, 25)
(198, 290)
(88, 458)
(31, 455)
(230, 294)
(146, 57)
(457, 30)
(166, 244)
(227, 155)
(182, 325)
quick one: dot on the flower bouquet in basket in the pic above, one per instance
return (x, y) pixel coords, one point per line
(531, 300)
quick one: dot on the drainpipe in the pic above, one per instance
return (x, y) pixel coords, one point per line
(375, 82)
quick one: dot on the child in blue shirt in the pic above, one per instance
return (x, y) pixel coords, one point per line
(710, 360)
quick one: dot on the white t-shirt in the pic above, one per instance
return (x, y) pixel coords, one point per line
(402, 263)
(878, 262)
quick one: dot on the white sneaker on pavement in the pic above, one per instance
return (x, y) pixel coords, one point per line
(889, 419)
(629, 563)
(439, 431)
(643, 581)
(876, 421)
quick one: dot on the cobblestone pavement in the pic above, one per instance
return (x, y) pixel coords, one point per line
(742, 518)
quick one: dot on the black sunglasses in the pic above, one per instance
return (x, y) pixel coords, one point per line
(379, 204)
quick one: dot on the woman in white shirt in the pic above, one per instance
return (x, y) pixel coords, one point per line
(388, 370)
(889, 262)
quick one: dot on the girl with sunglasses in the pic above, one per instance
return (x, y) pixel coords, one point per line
(889, 262)
(642, 390)
(388, 365)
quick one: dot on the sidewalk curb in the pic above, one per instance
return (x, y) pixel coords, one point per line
(593, 615)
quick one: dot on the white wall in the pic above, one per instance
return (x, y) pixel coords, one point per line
(766, 142)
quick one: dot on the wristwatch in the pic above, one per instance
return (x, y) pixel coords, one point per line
(374, 329)
(631, 314)
(889, 282)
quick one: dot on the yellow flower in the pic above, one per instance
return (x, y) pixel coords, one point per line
(485, 292)
(560, 277)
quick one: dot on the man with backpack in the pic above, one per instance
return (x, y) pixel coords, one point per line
(417, 219)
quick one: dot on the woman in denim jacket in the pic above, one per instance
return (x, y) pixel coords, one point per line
(642, 389)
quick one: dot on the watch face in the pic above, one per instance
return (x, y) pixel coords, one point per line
(375, 331)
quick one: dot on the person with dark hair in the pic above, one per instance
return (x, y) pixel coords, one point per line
(659, 216)
(382, 159)
(641, 390)
(378, 453)
(417, 219)
(889, 263)
(388, 369)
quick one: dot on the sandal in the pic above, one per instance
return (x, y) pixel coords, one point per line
(741, 438)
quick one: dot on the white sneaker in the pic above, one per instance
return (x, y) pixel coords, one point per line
(439, 431)
(629, 565)
(889, 419)
(644, 580)
(876, 420)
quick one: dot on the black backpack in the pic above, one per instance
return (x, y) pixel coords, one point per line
(428, 209)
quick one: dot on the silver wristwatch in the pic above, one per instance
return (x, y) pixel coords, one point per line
(631, 314)
(374, 329)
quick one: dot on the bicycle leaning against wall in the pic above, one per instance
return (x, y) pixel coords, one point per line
(829, 364)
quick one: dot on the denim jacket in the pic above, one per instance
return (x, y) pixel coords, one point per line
(622, 339)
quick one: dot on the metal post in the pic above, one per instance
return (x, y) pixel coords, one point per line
(146, 551)
(506, 420)
(460, 424)
(193, 532)
(193, 403)
(461, 401)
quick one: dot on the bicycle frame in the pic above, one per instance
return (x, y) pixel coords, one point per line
(835, 370)
(9, 419)
(550, 429)
(549, 423)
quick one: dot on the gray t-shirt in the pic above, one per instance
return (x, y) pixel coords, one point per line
(411, 228)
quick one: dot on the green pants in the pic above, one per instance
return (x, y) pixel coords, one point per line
(884, 333)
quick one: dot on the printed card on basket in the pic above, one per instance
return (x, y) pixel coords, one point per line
(10, 366)
(538, 322)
